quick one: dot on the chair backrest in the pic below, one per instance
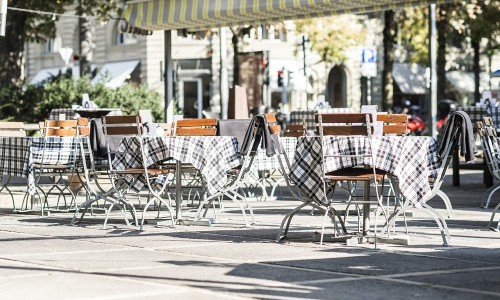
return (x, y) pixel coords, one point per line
(122, 125)
(12, 129)
(274, 128)
(295, 130)
(491, 145)
(196, 127)
(344, 124)
(65, 128)
(233, 127)
(394, 123)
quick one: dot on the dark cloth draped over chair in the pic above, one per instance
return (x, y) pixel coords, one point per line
(466, 142)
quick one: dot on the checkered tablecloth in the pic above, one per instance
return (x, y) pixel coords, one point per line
(213, 156)
(70, 113)
(18, 154)
(475, 113)
(411, 159)
(268, 163)
(297, 116)
(495, 115)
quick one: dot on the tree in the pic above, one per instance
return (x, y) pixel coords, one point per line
(481, 20)
(86, 8)
(22, 27)
(387, 78)
(331, 37)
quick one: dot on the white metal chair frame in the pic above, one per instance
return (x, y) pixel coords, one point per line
(436, 191)
(329, 186)
(491, 147)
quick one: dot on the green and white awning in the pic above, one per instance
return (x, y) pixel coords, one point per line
(204, 14)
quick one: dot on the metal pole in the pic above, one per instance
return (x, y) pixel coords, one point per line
(3, 16)
(368, 90)
(224, 78)
(169, 77)
(304, 54)
(433, 75)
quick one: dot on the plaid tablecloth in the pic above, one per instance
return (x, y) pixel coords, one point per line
(268, 163)
(475, 113)
(297, 116)
(213, 156)
(495, 115)
(70, 113)
(411, 159)
(18, 154)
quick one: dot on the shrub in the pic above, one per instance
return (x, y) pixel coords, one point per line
(63, 92)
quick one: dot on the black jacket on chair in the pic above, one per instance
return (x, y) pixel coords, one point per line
(466, 135)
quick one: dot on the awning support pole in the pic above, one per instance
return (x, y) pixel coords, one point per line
(433, 75)
(169, 77)
(224, 77)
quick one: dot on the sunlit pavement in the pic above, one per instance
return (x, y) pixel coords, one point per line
(46, 258)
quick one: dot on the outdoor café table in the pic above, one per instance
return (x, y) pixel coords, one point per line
(19, 154)
(495, 115)
(411, 159)
(213, 156)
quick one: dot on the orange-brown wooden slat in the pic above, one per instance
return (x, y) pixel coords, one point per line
(270, 117)
(61, 123)
(274, 129)
(395, 128)
(60, 131)
(196, 131)
(393, 118)
(196, 122)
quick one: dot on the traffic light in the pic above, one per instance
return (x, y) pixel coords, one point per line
(280, 78)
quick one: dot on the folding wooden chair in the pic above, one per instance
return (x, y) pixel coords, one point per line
(56, 163)
(349, 124)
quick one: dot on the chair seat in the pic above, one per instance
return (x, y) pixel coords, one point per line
(355, 174)
(137, 171)
(52, 167)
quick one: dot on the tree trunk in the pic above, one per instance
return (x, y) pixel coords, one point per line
(476, 69)
(441, 25)
(387, 78)
(12, 51)
(85, 39)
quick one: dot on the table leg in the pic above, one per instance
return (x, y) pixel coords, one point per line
(366, 208)
(178, 199)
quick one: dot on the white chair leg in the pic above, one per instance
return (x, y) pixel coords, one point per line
(446, 201)
(489, 193)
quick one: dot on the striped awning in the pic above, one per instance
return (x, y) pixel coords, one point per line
(146, 15)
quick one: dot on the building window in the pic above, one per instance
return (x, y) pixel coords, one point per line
(53, 45)
(122, 38)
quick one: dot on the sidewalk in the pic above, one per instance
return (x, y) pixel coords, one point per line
(45, 258)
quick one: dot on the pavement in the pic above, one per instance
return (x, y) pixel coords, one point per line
(46, 258)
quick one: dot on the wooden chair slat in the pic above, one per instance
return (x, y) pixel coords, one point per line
(11, 125)
(275, 129)
(60, 123)
(196, 122)
(189, 131)
(60, 131)
(123, 130)
(121, 119)
(395, 129)
(335, 118)
(345, 130)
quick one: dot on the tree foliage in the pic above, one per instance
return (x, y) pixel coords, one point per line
(332, 36)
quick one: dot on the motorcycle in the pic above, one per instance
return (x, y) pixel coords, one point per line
(416, 124)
